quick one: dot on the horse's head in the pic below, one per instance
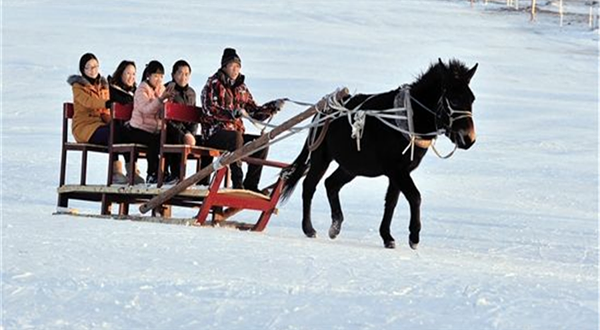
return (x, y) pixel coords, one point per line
(455, 104)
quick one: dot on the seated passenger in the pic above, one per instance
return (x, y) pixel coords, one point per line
(122, 83)
(122, 88)
(225, 98)
(180, 132)
(91, 114)
(145, 120)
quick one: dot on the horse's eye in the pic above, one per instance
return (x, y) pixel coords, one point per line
(453, 103)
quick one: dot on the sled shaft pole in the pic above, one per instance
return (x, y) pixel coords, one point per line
(236, 155)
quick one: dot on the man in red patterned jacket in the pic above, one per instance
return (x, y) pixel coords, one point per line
(225, 98)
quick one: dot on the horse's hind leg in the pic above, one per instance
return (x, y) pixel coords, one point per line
(318, 165)
(333, 184)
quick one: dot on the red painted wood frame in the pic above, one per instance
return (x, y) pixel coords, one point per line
(249, 202)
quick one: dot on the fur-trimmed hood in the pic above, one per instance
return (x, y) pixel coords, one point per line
(81, 80)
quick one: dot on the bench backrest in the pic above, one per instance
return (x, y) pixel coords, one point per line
(68, 110)
(121, 111)
(181, 112)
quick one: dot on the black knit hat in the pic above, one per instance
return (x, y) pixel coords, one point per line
(84, 59)
(229, 55)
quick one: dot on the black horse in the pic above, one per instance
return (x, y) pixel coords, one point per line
(441, 104)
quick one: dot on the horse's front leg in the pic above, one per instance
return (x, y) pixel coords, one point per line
(334, 184)
(413, 196)
(391, 199)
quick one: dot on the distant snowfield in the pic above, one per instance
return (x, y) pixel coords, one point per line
(510, 227)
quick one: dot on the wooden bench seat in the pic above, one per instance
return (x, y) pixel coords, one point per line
(143, 190)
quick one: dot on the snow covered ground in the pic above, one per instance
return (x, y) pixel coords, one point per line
(510, 227)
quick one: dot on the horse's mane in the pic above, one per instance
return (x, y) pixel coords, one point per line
(431, 77)
(429, 80)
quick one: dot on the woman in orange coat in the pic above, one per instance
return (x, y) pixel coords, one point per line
(91, 103)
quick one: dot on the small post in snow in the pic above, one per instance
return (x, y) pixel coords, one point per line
(560, 12)
(594, 19)
(532, 18)
(598, 16)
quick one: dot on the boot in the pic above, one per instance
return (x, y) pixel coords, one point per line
(137, 179)
(236, 175)
(118, 177)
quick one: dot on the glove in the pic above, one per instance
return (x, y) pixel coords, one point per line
(275, 105)
(279, 103)
(236, 113)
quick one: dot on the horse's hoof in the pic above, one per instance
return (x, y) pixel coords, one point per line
(413, 245)
(311, 234)
(390, 245)
(335, 229)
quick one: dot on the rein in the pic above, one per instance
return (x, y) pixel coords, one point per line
(401, 114)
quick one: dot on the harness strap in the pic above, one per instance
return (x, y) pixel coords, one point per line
(439, 155)
(313, 145)
(399, 118)
(358, 126)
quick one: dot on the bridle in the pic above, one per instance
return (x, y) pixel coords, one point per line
(444, 107)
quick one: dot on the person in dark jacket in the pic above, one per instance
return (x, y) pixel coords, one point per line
(225, 98)
(180, 132)
(122, 88)
(122, 83)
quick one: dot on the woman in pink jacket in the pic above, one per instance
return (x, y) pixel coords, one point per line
(145, 120)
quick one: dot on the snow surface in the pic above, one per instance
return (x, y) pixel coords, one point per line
(510, 227)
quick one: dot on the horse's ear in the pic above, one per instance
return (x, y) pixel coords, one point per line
(442, 64)
(471, 72)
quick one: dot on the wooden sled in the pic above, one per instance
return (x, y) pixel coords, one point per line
(221, 203)
(214, 200)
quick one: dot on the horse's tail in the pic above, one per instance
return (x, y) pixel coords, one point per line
(293, 173)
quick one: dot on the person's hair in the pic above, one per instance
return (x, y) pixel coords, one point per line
(152, 67)
(116, 77)
(179, 64)
(84, 59)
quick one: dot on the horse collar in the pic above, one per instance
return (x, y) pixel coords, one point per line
(406, 122)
